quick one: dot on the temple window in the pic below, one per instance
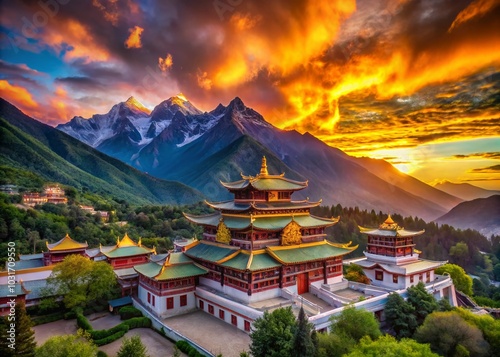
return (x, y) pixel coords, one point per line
(170, 303)
(411, 278)
(149, 298)
(247, 325)
(153, 303)
(379, 275)
(202, 305)
(211, 309)
(221, 314)
(234, 320)
(183, 301)
(395, 278)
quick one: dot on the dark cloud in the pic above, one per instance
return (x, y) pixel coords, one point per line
(484, 155)
(487, 170)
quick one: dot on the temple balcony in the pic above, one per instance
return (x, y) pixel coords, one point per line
(390, 258)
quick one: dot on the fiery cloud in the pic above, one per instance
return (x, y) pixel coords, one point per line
(477, 8)
(17, 95)
(134, 39)
(165, 63)
(364, 75)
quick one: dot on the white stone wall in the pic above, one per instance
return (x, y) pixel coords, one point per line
(160, 306)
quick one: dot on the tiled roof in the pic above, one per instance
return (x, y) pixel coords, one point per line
(67, 243)
(262, 221)
(268, 183)
(180, 271)
(211, 252)
(126, 248)
(125, 273)
(307, 252)
(251, 261)
(176, 266)
(35, 288)
(403, 269)
(5, 290)
(127, 252)
(28, 264)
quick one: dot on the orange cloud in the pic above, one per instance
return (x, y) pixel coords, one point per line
(279, 45)
(165, 63)
(17, 95)
(475, 9)
(134, 39)
(76, 35)
(109, 11)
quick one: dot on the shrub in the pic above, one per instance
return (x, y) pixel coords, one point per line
(185, 347)
(137, 322)
(100, 334)
(109, 339)
(101, 354)
(70, 315)
(128, 312)
(40, 320)
(83, 323)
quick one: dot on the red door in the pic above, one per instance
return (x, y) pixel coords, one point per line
(302, 283)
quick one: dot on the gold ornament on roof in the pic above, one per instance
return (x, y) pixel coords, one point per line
(389, 224)
(223, 233)
(291, 234)
(263, 168)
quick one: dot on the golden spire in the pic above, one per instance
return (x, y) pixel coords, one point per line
(263, 168)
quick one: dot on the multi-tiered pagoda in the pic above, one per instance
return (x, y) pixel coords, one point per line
(263, 241)
(391, 258)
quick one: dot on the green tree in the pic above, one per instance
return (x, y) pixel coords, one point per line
(423, 302)
(388, 346)
(489, 326)
(334, 345)
(460, 254)
(67, 346)
(496, 272)
(81, 281)
(400, 316)
(355, 273)
(355, 323)
(132, 347)
(273, 334)
(461, 280)
(447, 331)
(24, 340)
(302, 344)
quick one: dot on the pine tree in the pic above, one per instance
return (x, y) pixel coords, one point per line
(302, 344)
(25, 336)
(4, 342)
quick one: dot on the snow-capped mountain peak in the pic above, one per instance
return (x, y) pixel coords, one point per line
(133, 103)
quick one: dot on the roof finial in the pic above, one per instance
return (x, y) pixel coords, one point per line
(263, 168)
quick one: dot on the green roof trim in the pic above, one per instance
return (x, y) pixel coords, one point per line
(261, 221)
(307, 252)
(259, 262)
(210, 252)
(266, 183)
(127, 251)
(149, 269)
(181, 271)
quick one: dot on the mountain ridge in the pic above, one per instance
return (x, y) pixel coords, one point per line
(481, 214)
(182, 147)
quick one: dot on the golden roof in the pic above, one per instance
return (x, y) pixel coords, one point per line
(67, 243)
(126, 242)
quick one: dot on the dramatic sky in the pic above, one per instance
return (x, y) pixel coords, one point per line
(415, 82)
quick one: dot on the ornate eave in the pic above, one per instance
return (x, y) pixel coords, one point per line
(65, 244)
(389, 229)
